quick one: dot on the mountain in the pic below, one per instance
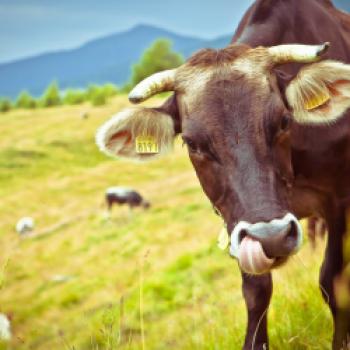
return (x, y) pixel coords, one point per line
(108, 59)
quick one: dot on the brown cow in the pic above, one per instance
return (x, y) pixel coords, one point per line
(269, 139)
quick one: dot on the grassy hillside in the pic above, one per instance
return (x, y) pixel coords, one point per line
(155, 280)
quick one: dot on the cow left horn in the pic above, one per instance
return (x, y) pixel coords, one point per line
(297, 53)
(156, 83)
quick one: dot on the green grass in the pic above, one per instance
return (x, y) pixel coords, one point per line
(153, 281)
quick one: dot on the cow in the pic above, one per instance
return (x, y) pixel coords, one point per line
(84, 115)
(267, 128)
(123, 195)
(5, 327)
(25, 225)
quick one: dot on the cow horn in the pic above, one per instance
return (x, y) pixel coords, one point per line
(154, 84)
(297, 53)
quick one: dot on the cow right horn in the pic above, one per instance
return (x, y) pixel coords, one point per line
(154, 84)
(297, 53)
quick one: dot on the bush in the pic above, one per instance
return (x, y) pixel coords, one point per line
(99, 98)
(74, 97)
(5, 105)
(25, 100)
(91, 91)
(126, 88)
(109, 90)
(155, 59)
(51, 96)
(96, 95)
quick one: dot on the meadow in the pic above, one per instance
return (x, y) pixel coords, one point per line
(153, 280)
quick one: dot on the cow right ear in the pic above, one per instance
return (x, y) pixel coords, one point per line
(320, 93)
(137, 134)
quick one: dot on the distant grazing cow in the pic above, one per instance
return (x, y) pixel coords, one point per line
(122, 195)
(25, 225)
(5, 328)
(84, 115)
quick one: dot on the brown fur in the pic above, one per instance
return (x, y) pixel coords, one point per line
(210, 57)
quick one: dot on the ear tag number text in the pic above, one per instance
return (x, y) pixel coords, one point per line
(146, 144)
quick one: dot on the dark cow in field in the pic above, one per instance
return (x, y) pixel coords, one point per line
(122, 195)
(268, 132)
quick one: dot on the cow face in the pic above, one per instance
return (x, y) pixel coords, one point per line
(236, 128)
(233, 119)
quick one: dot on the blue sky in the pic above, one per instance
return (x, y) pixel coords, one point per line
(28, 27)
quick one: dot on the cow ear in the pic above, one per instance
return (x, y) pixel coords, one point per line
(137, 134)
(320, 93)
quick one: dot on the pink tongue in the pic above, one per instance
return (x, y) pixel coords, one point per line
(252, 258)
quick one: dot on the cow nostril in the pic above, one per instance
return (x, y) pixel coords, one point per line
(241, 235)
(292, 235)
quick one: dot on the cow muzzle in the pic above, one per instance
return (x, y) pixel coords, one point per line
(261, 246)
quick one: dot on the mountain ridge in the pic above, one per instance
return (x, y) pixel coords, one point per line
(105, 59)
(101, 60)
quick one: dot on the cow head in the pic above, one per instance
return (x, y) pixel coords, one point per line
(236, 123)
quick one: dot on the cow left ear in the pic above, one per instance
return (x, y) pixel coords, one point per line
(137, 134)
(320, 93)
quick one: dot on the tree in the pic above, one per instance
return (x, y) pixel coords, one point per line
(159, 56)
(51, 96)
(98, 95)
(5, 104)
(74, 97)
(99, 98)
(109, 90)
(92, 91)
(25, 100)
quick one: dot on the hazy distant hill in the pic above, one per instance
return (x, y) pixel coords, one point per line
(107, 59)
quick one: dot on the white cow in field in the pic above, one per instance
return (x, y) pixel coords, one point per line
(5, 327)
(25, 225)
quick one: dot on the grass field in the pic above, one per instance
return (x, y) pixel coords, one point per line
(152, 281)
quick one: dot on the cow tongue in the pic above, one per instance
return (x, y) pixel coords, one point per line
(252, 257)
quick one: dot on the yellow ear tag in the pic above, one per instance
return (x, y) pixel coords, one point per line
(223, 239)
(316, 101)
(146, 144)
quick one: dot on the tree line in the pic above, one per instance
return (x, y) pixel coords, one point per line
(159, 56)
(97, 95)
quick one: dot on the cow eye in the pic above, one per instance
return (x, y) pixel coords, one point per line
(285, 122)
